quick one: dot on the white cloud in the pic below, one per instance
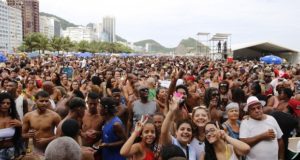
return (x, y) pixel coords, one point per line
(169, 21)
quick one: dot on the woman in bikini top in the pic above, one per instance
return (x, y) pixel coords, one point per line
(10, 128)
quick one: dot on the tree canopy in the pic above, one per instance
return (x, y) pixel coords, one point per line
(38, 41)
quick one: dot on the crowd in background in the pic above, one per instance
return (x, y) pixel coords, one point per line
(147, 108)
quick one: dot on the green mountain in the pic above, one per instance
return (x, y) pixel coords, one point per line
(118, 38)
(190, 45)
(185, 46)
(153, 46)
(64, 23)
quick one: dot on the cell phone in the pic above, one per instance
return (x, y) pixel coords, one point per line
(178, 94)
(181, 101)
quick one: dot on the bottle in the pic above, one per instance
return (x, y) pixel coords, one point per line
(30, 143)
(30, 146)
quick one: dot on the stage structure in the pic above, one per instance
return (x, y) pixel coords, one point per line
(220, 46)
(202, 46)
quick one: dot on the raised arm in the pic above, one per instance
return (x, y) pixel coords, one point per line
(175, 75)
(165, 136)
(129, 149)
(241, 148)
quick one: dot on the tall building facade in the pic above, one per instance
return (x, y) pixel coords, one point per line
(46, 27)
(97, 29)
(30, 14)
(10, 27)
(50, 26)
(31, 17)
(80, 33)
(109, 29)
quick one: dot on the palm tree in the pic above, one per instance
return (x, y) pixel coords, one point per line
(94, 46)
(57, 43)
(83, 46)
(31, 42)
(43, 43)
(67, 44)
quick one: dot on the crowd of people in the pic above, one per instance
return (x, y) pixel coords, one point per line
(147, 108)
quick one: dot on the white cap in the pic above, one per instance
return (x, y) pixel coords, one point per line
(179, 82)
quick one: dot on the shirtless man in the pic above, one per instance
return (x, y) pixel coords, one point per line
(40, 123)
(128, 90)
(48, 86)
(77, 107)
(91, 121)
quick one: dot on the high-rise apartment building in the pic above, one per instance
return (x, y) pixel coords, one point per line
(10, 27)
(30, 14)
(97, 29)
(109, 29)
(80, 33)
(50, 26)
(46, 27)
(15, 28)
(16, 3)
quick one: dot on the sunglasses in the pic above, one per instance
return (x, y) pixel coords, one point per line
(144, 90)
(215, 94)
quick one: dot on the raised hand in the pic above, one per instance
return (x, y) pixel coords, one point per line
(15, 123)
(140, 124)
(222, 133)
(174, 103)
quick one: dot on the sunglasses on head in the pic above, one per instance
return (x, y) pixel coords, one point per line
(200, 107)
(223, 85)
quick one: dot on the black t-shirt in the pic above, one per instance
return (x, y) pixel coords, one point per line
(287, 124)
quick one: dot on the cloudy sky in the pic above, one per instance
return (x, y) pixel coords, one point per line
(169, 21)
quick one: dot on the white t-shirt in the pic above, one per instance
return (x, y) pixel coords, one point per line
(264, 150)
(199, 146)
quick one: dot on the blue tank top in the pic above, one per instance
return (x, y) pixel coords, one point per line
(108, 136)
